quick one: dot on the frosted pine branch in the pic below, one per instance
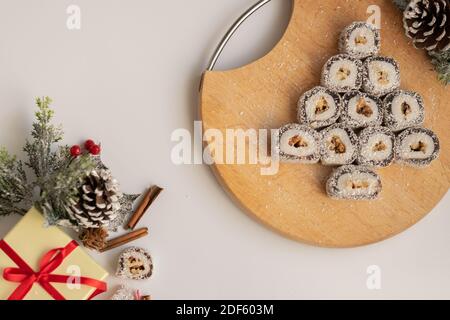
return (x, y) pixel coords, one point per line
(441, 61)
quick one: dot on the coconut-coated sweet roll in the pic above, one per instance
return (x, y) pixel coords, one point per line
(360, 40)
(403, 109)
(319, 107)
(376, 147)
(381, 76)
(339, 145)
(417, 147)
(298, 144)
(342, 73)
(354, 183)
(361, 110)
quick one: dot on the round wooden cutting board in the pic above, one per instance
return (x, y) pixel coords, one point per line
(264, 94)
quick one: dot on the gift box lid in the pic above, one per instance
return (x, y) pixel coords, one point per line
(30, 239)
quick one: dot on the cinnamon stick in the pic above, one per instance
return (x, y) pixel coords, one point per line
(146, 202)
(122, 240)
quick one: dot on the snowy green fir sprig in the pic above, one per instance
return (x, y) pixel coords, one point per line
(441, 61)
(15, 191)
(70, 186)
(53, 176)
(401, 4)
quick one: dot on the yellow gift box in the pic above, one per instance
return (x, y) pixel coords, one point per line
(30, 240)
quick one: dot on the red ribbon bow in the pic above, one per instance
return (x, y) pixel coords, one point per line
(27, 277)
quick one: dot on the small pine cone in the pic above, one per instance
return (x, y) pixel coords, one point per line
(94, 238)
(427, 23)
(98, 201)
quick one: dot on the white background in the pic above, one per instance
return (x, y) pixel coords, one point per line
(128, 78)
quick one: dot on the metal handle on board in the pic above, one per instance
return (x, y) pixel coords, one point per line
(232, 31)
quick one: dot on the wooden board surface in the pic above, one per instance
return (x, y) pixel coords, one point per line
(263, 95)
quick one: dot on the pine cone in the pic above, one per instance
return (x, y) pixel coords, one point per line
(98, 201)
(427, 23)
(94, 238)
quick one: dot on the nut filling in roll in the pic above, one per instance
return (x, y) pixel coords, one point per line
(381, 76)
(354, 183)
(339, 145)
(360, 40)
(342, 73)
(403, 109)
(319, 107)
(376, 147)
(361, 110)
(417, 147)
(298, 144)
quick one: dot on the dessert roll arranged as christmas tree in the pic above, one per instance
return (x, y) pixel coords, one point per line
(360, 40)
(403, 109)
(381, 75)
(417, 147)
(354, 183)
(359, 92)
(361, 110)
(376, 147)
(319, 107)
(342, 73)
(298, 143)
(339, 145)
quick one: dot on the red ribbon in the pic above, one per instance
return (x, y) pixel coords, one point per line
(27, 277)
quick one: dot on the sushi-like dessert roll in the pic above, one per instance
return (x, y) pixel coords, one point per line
(381, 75)
(417, 147)
(360, 40)
(342, 73)
(376, 147)
(319, 107)
(339, 145)
(354, 183)
(298, 144)
(361, 110)
(403, 109)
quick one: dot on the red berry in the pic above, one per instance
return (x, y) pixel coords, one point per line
(75, 151)
(95, 150)
(89, 144)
